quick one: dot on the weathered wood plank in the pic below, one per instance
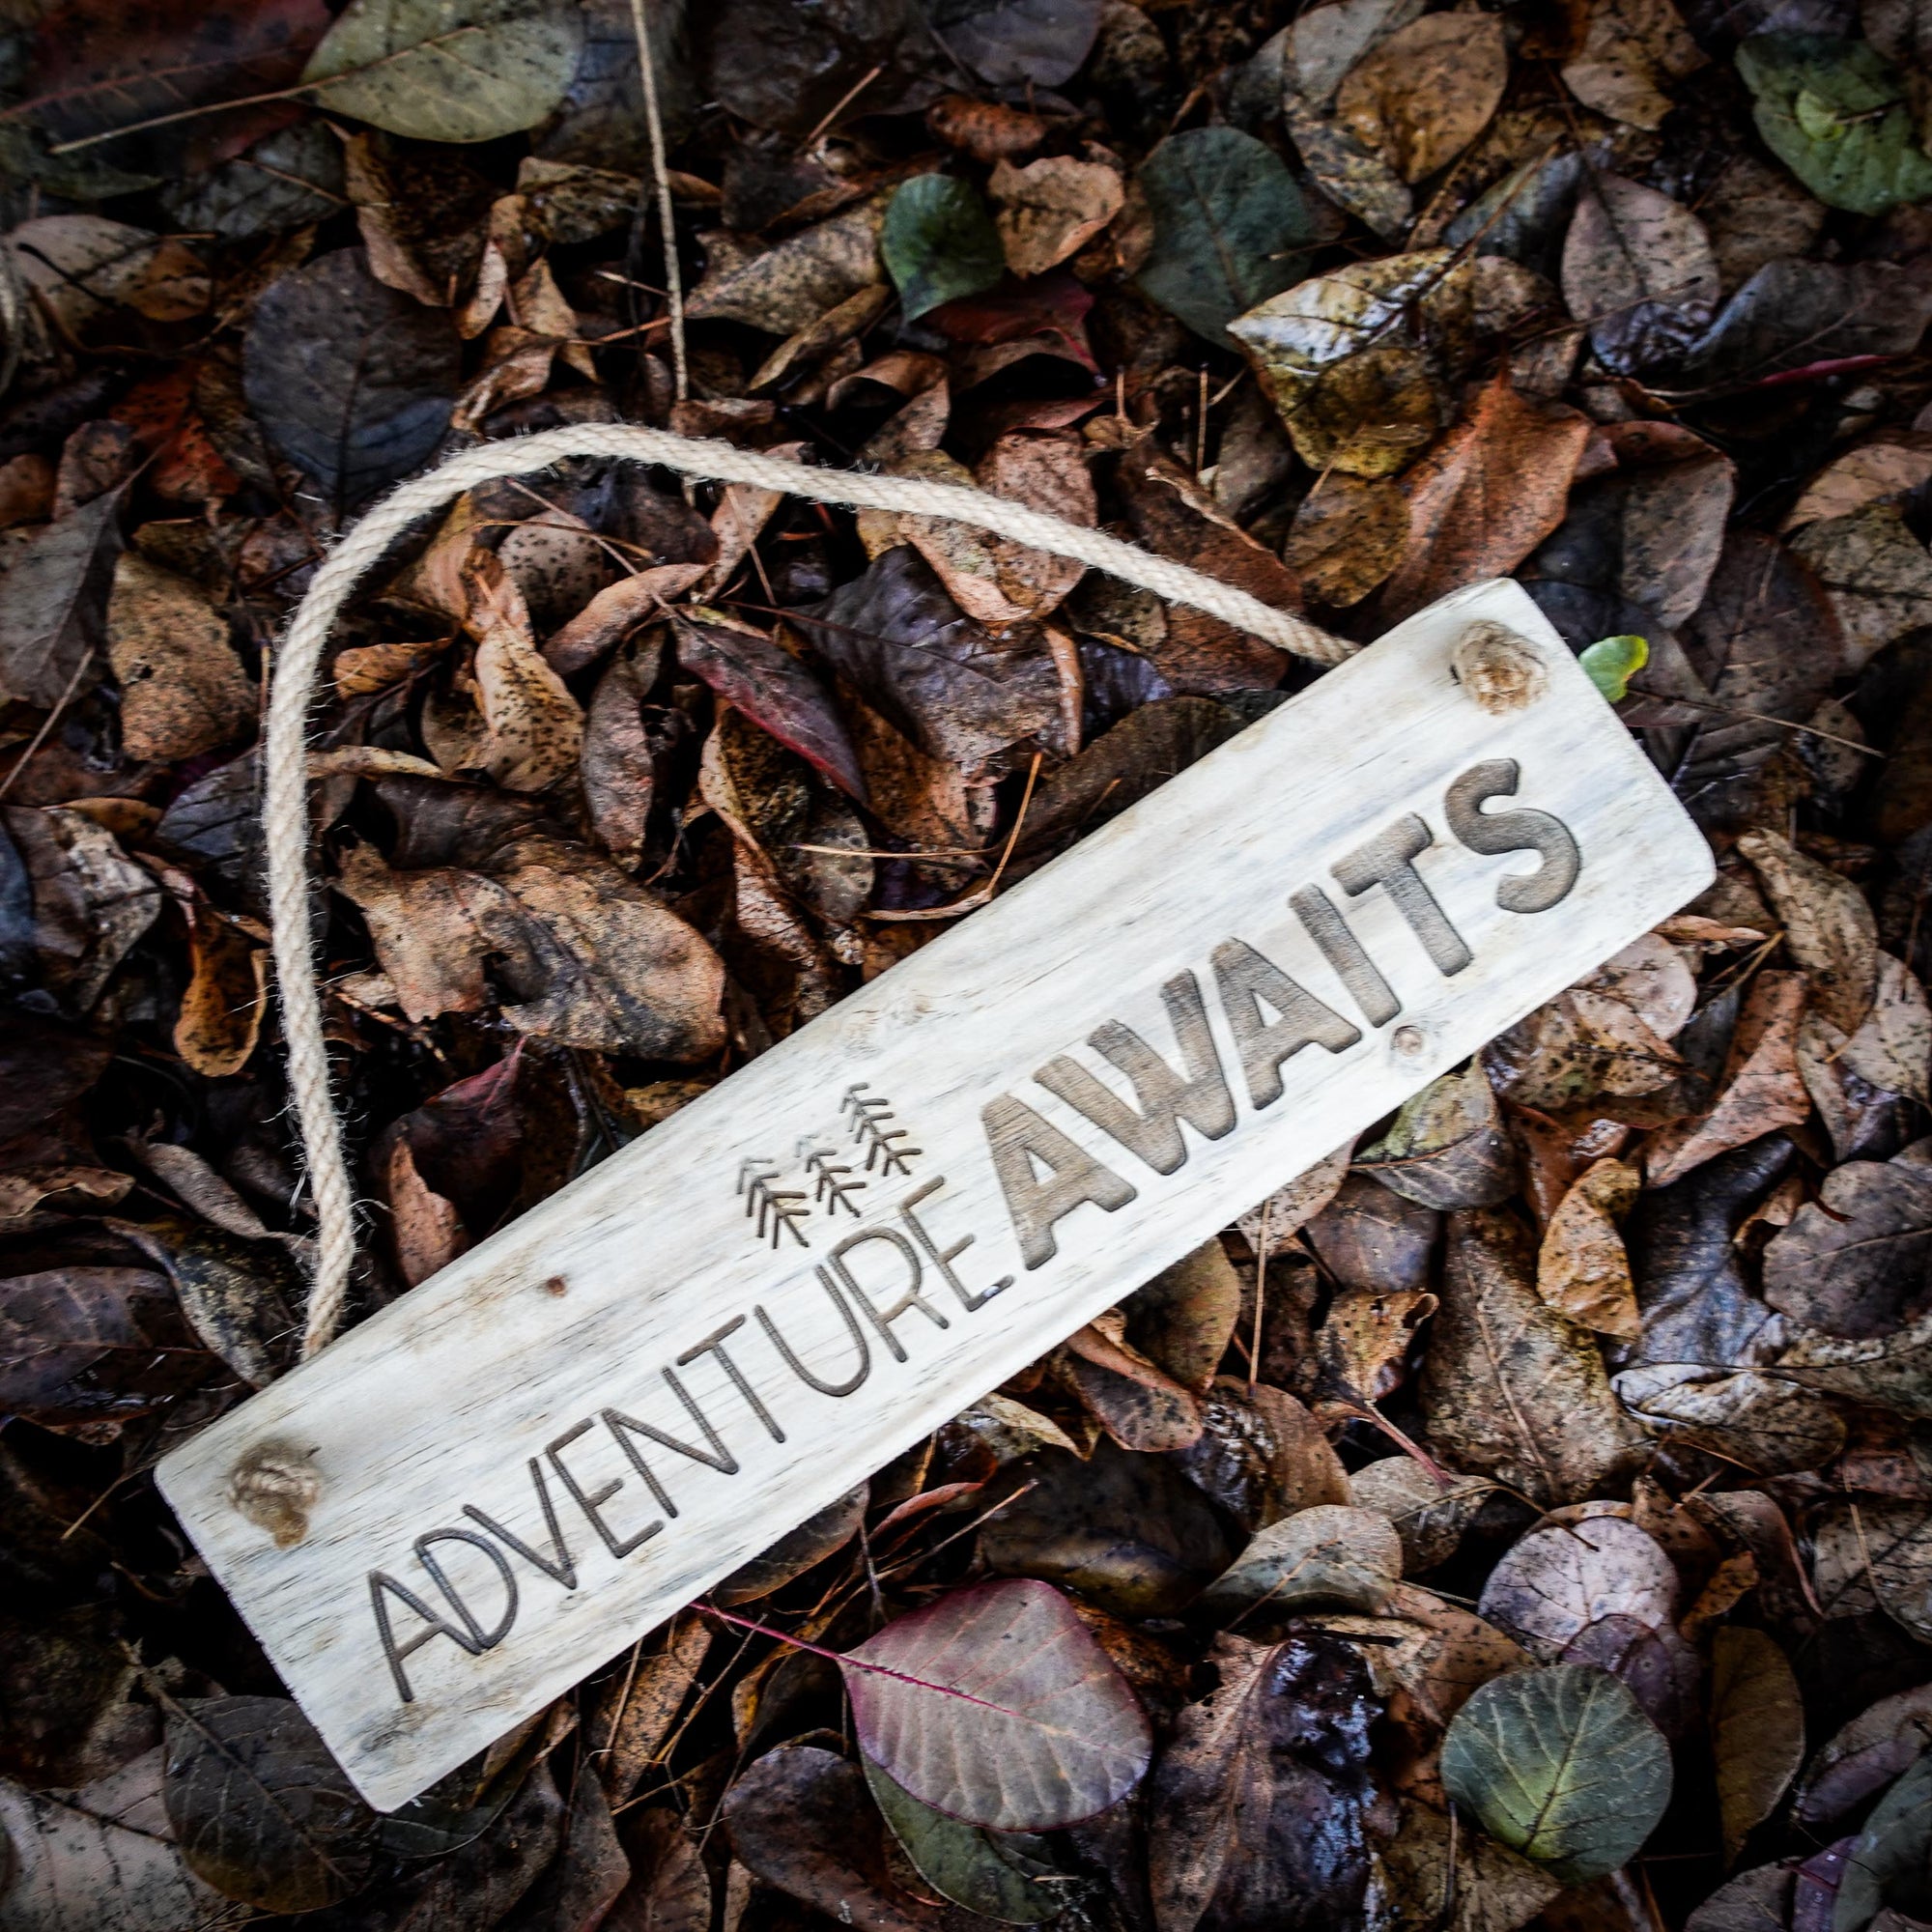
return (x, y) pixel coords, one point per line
(589, 1419)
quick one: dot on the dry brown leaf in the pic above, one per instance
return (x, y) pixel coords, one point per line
(1876, 473)
(1876, 572)
(789, 287)
(1761, 1089)
(1427, 92)
(1582, 1270)
(1484, 498)
(1631, 49)
(985, 130)
(614, 612)
(1757, 1730)
(1051, 209)
(533, 727)
(1756, 214)
(1511, 1388)
(1349, 534)
(426, 1229)
(992, 578)
(183, 689)
(221, 1010)
(1829, 931)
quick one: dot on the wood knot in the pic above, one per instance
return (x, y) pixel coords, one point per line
(1499, 669)
(275, 1486)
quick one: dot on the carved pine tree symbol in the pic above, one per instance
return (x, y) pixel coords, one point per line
(833, 1188)
(779, 1210)
(868, 1113)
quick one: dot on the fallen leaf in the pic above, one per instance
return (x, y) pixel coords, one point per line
(1170, 514)
(995, 1706)
(1352, 175)
(991, 1873)
(1553, 1584)
(90, 1344)
(1757, 1730)
(353, 381)
(1877, 574)
(1854, 1263)
(447, 69)
(1828, 929)
(1128, 1532)
(258, 1807)
(1184, 1318)
(91, 902)
(1757, 215)
(1793, 313)
(958, 692)
(602, 964)
(224, 1004)
(1875, 1555)
(1051, 209)
(1561, 1765)
(1333, 1553)
(994, 580)
(1349, 533)
(1512, 1389)
(84, 265)
(938, 244)
(1630, 50)
(1326, 42)
(1759, 1421)
(1371, 1238)
(1489, 1887)
(1447, 1147)
(1893, 1049)
(1428, 1518)
(1261, 1455)
(1761, 1088)
(1863, 1756)
(1582, 1270)
(1889, 1858)
(101, 1858)
(772, 688)
(1425, 93)
(1259, 1803)
(1485, 496)
(801, 1821)
(1227, 223)
(53, 602)
(1638, 272)
(988, 131)
(183, 689)
(1875, 472)
(1833, 113)
(789, 287)
(1766, 645)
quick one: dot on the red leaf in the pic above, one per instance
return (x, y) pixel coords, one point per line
(1000, 1709)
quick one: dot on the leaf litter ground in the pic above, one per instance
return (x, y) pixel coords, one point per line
(1333, 1612)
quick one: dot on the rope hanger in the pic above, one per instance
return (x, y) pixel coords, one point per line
(285, 795)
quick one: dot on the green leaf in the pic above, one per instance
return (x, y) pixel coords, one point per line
(1560, 1765)
(1890, 1861)
(1229, 224)
(987, 1872)
(1833, 112)
(938, 244)
(448, 70)
(1612, 662)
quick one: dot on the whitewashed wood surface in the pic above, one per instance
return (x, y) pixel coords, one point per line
(428, 1416)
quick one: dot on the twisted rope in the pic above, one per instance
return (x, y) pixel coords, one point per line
(285, 802)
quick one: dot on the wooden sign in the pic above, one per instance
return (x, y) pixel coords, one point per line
(497, 1483)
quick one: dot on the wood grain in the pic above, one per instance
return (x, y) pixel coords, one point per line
(727, 1325)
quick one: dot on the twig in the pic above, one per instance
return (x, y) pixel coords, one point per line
(660, 169)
